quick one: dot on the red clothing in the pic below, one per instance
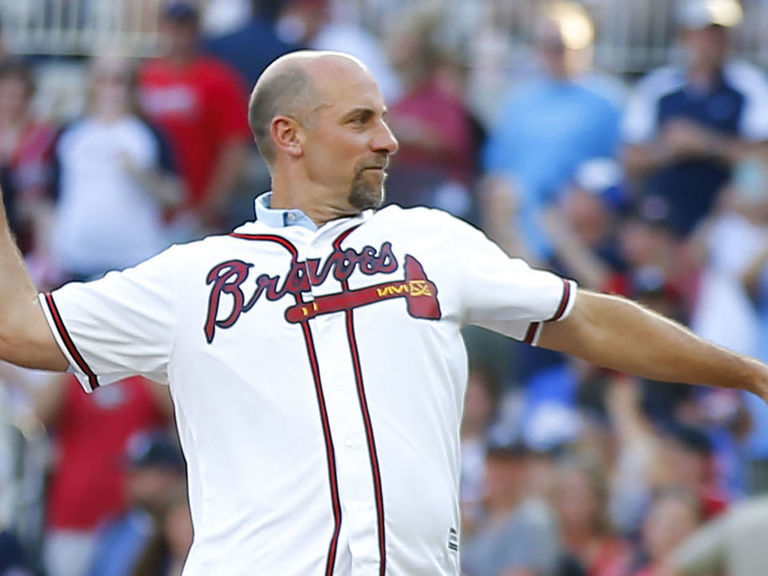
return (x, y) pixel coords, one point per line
(91, 434)
(200, 107)
(445, 115)
(612, 559)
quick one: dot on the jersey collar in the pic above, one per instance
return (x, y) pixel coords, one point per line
(280, 218)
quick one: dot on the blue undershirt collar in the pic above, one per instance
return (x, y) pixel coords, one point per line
(279, 217)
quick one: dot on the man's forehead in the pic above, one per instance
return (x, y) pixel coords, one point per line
(340, 77)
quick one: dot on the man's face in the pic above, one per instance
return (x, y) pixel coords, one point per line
(707, 46)
(179, 37)
(347, 142)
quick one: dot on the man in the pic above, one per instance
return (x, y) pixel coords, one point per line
(548, 126)
(686, 127)
(198, 103)
(314, 355)
(518, 536)
(154, 476)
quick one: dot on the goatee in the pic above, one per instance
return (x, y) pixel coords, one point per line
(364, 194)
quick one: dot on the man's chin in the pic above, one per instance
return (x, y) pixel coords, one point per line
(367, 198)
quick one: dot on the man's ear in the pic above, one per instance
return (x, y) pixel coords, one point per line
(287, 134)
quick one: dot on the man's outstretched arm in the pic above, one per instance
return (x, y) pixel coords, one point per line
(25, 338)
(616, 333)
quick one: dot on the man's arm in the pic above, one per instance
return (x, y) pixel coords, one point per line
(616, 333)
(25, 338)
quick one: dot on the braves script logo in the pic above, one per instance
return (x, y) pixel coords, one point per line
(229, 278)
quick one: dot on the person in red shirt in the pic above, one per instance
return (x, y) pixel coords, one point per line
(199, 103)
(90, 434)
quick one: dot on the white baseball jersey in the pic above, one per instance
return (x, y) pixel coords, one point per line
(318, 377)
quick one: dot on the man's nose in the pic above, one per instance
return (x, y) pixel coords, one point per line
(384, 140)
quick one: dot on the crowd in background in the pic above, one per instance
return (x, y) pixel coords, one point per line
(655, 188)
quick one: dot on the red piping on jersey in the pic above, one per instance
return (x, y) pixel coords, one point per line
(533, 327)
(366, 419)
(70, 345)
(563, 302)
(330, 452)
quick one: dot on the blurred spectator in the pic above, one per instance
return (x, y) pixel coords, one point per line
(200, 104)
(439, 139)
(26, 145)
(115, 180)
(13, 558)
(583, 226)
(686, 459)
(249, 49)
(154, 476)
(518, 536)
(733, 544)
(650, 460)
(730, 242)
(580, 502)
(167, 551)
(253, 45)
(673, 517)
(755, 282)
(324, 25)
(548, 126)
(687, 125)
(90, 433)
(480, 407)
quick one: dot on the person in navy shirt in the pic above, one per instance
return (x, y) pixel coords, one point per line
(687, 126)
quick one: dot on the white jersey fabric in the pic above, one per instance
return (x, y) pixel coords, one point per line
(318, 377)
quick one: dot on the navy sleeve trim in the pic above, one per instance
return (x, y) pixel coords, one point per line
(70, 345)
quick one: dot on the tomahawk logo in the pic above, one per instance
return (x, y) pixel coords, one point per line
(228, 281)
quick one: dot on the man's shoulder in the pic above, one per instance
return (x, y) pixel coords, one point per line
(417, 220)
(745, 77)
(660, 81)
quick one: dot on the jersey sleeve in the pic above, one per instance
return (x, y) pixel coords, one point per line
(119, 326)
(505, 294)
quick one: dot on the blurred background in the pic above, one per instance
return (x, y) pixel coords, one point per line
(621, 143)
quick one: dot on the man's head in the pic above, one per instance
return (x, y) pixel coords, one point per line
(155, 470)
(507, 469)
(564, 37)
(704, 27)
(318, 120)
(17, 87)
(180, 28)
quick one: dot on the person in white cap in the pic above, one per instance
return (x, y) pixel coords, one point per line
(686, 126)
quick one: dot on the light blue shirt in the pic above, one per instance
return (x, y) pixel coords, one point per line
(545, 131)
(279, 217)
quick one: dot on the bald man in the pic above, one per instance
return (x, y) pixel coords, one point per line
(314, 355)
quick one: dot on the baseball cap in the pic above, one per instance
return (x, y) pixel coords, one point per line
(697, 14)
(153, 449)
(602, 177)
(503, 442)
(181, 11)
